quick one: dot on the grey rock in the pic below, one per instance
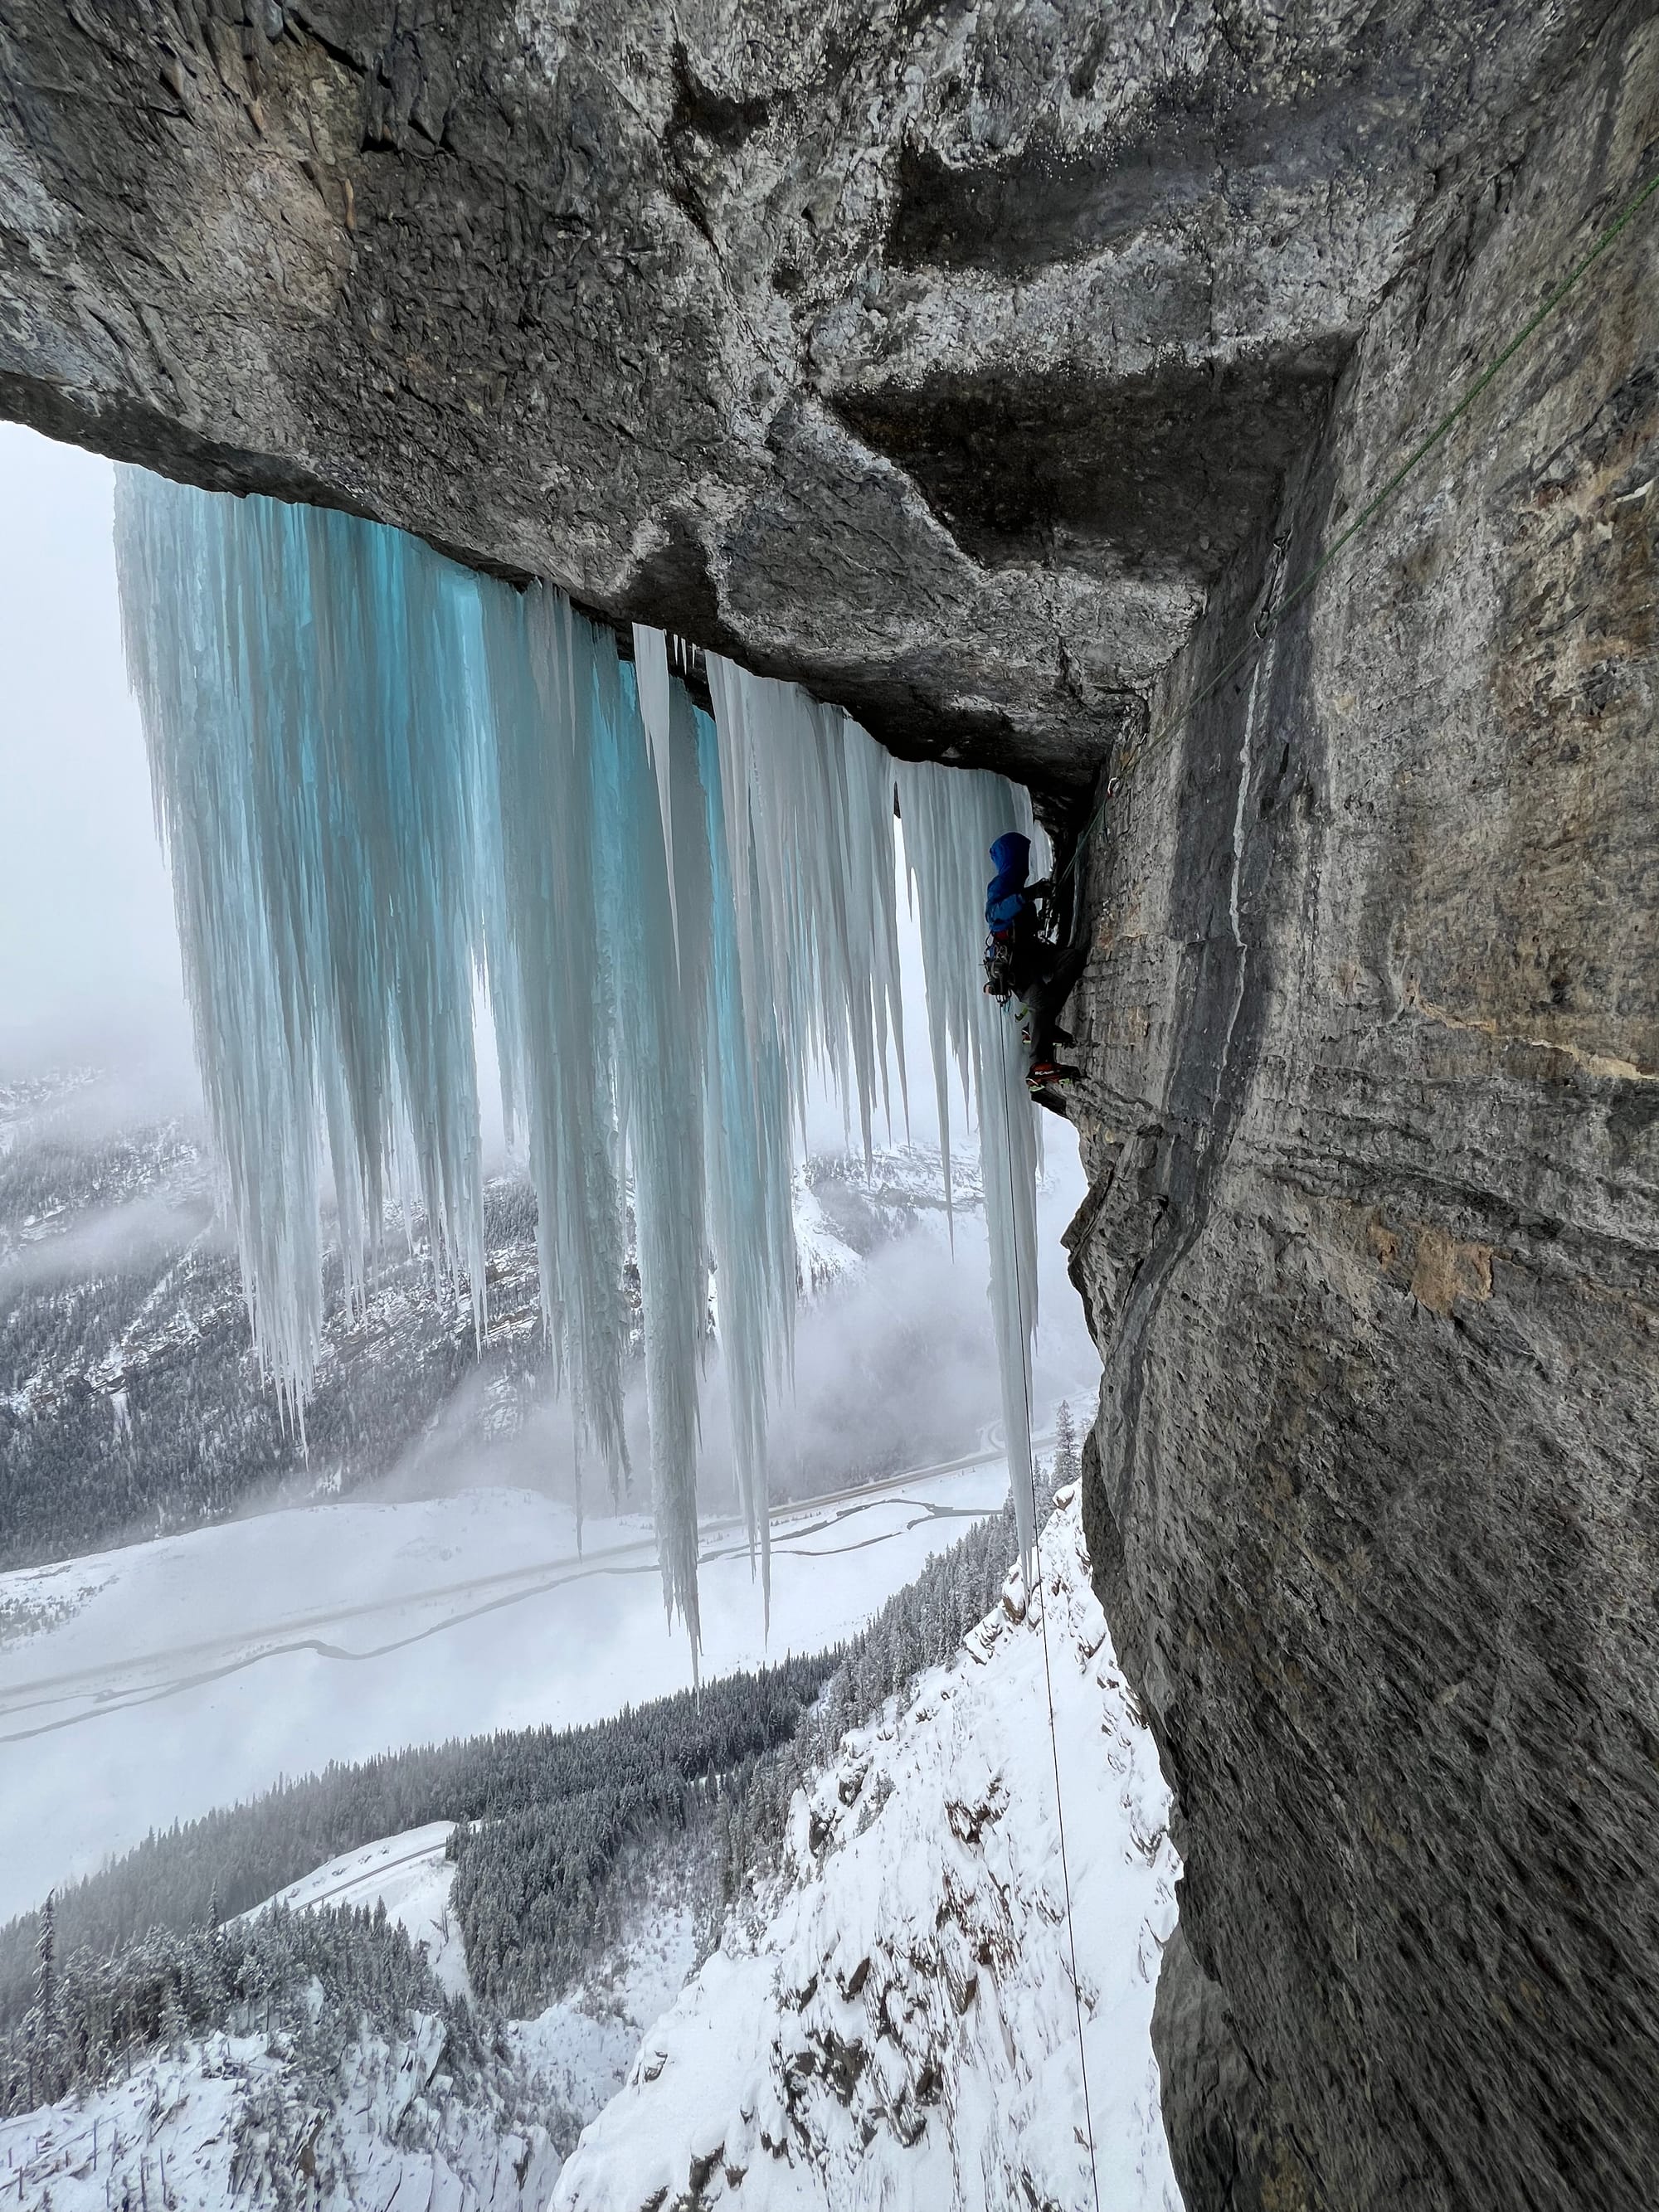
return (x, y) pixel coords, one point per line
(1233, 2152)
(1371, 1033)
(937, 356)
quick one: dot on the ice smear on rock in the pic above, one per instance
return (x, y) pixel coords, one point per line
(384, 781)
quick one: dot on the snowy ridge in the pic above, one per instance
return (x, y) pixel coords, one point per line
(888, 2021)
(894, 2024)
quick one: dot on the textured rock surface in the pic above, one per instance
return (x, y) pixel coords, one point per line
(940, 356)
(1372, 1247)
(989, 368)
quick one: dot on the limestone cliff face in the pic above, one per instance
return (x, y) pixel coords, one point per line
(991, 368)
(1372, 1252)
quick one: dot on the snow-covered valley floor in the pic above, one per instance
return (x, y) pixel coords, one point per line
(170, 1677)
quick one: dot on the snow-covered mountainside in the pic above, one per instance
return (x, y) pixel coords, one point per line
(412, 1875)
(893, 2022)
(447, 2114)
(886, 2014)
(234, 2120)
(571, 2059)
(132, 1402)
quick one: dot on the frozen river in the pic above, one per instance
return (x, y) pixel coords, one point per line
(166, 1677)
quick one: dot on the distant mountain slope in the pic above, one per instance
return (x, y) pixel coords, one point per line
(894, 2023)
(131, 1404)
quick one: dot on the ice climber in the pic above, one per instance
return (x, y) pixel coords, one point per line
(1024, 963)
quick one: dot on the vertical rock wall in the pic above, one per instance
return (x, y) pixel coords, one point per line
(1371, 1028)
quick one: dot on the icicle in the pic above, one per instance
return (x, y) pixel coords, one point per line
(748, 1169)
(806, 796)
(950, 817)
(661, 1019)
(806, 974)
(652, 681)
(541, 658)
(314, 785)
(384, 783)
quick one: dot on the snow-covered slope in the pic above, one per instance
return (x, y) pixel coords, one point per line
(580, 2051)
(896, 2024)
(412, 1877)
(571, 2059)
(889, 2021)
(231, 2120)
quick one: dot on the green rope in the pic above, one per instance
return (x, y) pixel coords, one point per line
(1374, 506)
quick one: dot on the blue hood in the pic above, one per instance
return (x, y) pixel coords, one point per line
(1005, 900)
(1012, 854)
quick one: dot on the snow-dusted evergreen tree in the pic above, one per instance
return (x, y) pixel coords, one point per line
(164, 1987)
(46, 1959)
(36, 2059)
(1066, 1466)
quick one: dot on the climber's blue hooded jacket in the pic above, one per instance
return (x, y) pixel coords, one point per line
(1007, 899)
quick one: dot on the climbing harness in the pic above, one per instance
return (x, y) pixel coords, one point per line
(1033, 1571)
(1264, 627)
(999, 967)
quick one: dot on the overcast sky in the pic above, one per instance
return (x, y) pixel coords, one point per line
(88, 954)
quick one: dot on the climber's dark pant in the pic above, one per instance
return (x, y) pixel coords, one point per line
(1046, 993)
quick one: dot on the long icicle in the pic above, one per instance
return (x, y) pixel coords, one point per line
(949, 821)
(386, 781)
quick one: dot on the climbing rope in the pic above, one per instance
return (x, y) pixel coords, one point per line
(1034, 1571)
(1373, 507)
